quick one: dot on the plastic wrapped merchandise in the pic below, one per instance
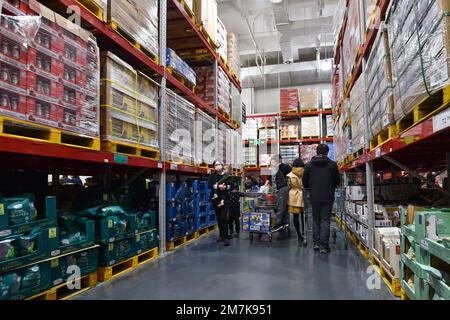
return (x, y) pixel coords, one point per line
(420, 47)
(239, 146)
(251, 156)
(223, 91)
(225, 151)
(137, 19)
(205, 138)
(222, 46)
(338, 18)
(267, 134)
(326, 99)
(370, 9)
(234, 60)
(351, 41)
(180, 129)
(310, 127)
(205, 87)
(308, 151)
(379, 84)
(49, 72)
(267, 122)
(357, 96)
(265, 159)
(236, 105)
(337, 90)
(330, 126)
(180, 66)
(289, 100)
(309, 99)
(289, 130)
(290, 153)
(129, 104)
(250, 129)
(206, 14)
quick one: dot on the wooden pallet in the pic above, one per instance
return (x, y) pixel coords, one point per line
(384, 136)
(310, 110)
(236, 123)
(310, 137)
(191, 237)
(188, 10)
(403, 295)
(181, 78)
(224, 114)
(358, 153)
(428, 107)
(114, 25)
(392, 283)
(62, 291)
(108, 273)
(206, 35)
(179, 161)
(147, 256)
(289, 138)
(15, 128)
(176, 244)
(94, 8)
(130, 149)
(288, 112)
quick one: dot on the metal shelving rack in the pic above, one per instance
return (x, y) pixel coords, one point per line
(423, 147)
(37, 155)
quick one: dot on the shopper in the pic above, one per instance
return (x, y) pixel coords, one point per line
(219, 190)
(280, 177)
(296, 203)
(234, 210)
(321, 177)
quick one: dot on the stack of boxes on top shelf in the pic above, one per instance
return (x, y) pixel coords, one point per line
(49, 73)
(356, 103)
(222, 44)
(129, 106)
(206, 15)
(234, 60)
(425, 253)
(289, 100)
(250, 135)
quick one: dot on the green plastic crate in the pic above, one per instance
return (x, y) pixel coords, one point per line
(88, 228)
(105, 232)
(115, 252)
(22, 291)
(46, 242)
(85, 260)
(141, 224)
(146, 241)
(45, 220)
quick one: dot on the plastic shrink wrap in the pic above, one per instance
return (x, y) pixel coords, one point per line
(310, 127)
(222, 45)
(289, 100)
(236, 105)
(206, 14)
(330, 126)
(351, 41)
(326, 99)
(289, 153)
(289, 130)
(250, 129)
(308, 151)
(234, 60)
(309, 99)
(180, 66)
(205, 138)
(357, 96)
(251, 156)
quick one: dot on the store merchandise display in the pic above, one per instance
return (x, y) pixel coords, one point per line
(310, 127)
(174, 62)
(206, 15)
(329, 126)
(251, 156)
(289, 153)
(250, 130)
(308, 151)
(236, 105)
(205, 138)
(180, 129)
(351, 41)
(326, 99)
(309, 99)
(49, 72)
(289, 129)
(222, 45)
(356, 102)
(138, 19)
(129, 104)
(234, 60)
(289, 100)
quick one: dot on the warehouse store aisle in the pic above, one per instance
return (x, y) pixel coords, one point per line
(245, 270)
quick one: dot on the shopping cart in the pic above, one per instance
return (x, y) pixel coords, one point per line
(258, 213)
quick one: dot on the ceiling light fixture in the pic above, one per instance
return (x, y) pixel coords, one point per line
(276, 1)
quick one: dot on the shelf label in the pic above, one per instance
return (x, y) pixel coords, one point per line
(378, 152)
(119, 158)
(160, 165)
(441, 121)
(173, 166)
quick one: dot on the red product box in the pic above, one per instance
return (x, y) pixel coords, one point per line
(42, 112)
(43, 88)
(13, 104)
(74, 76)
(72, 98)
(68, 118)
(13, 78)
(75, 55)
(11, 50)
(45, 65)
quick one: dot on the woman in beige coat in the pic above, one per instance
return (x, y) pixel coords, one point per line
(296, 203)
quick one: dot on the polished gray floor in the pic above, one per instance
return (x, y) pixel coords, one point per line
(245, 270)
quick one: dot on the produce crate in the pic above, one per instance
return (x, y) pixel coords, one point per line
(43, 220)
(25, 282)
(145, 220)
(115, 252)
(86, 227)
(146, 241)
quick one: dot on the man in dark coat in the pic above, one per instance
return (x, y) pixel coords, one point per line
(280, 182)
(321, 178)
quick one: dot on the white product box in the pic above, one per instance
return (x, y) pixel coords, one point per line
(391, 255)
(310, 127)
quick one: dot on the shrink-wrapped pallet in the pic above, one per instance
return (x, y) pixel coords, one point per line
(129, 104)
(206, 87)
(223, 91)
(342, 138)
(250, 129)
(237, 147)
(338, 18)
(251, 155)
(205, 138)
(310, 127)
(179, 137)
(308, 151)
(236, 105)
(371, 11)
(309, 99)
(289, 153)
(326, 99)
(222, 45)
(267, 134)
(138, 19)
(379, 85)
(357, 96)
(234, 60)
(289, 100)
(351, 41)
(289, 129)
(329, 126)
(267, 122)
(419, 37)
(174, 62)
(225, 146)
(50, 74)
(206, 14)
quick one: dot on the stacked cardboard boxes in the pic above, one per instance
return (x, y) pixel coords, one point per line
(250, 130)
(309, 99)
(206, 87)
(234, 60)
(129, 104)
(329, 126)
(310, 127)
(205, 138)
(222, 45)
(357, 97)
(206, 14)
(180, 66)
(327, 99)
(290, 129)
(308, 151)
(289, 100)
(351, 41)
(289, 153)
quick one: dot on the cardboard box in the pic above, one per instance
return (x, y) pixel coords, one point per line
(410, 213)
(381, 233)
(391, 256)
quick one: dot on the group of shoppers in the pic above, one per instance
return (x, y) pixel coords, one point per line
(319, 179)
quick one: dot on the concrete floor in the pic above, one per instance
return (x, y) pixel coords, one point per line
(205, 270)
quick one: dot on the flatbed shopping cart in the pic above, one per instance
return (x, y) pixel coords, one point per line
(258, 213)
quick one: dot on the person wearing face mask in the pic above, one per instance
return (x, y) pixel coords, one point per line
(219, 190)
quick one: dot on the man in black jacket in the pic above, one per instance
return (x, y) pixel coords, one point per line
(280, 179)
(321, 178)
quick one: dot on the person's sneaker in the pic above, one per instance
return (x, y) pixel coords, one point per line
(278, 229)
(226, 242)
(325, 250)
(316, 247)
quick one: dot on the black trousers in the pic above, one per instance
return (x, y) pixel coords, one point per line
(321, 222)
(296, 217)
(233, 219)
(222, 220)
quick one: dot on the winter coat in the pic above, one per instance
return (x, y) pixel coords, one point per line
(280, 177)
(296, 201)
(322, 178)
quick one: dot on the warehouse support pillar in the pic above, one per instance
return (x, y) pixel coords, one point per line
(162, 127)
